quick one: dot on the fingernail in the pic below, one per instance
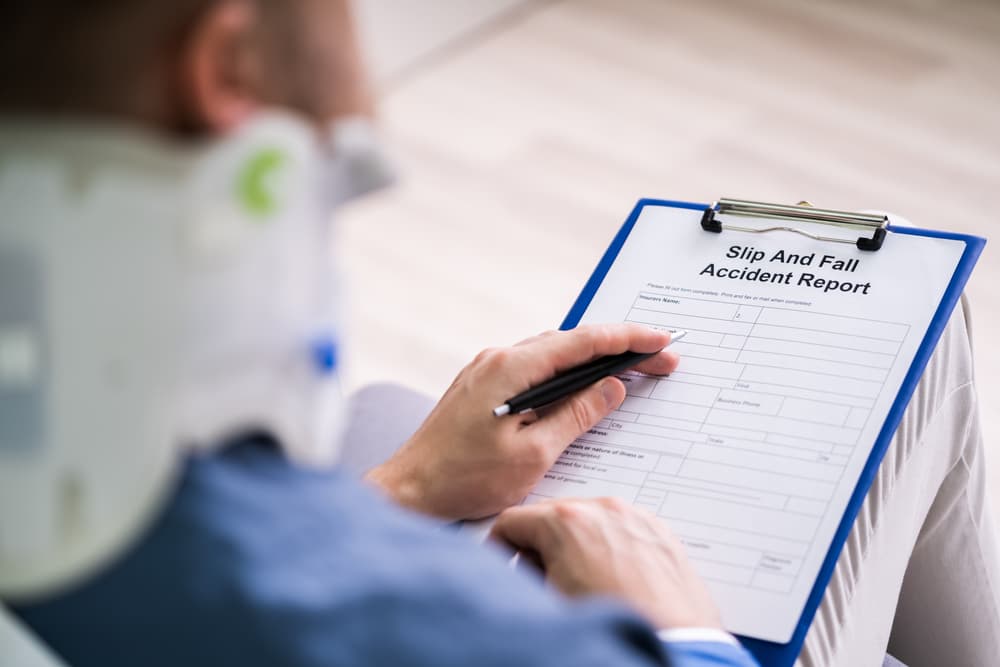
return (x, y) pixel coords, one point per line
(611, 397)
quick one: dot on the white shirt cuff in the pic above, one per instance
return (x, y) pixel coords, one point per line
(716, 635)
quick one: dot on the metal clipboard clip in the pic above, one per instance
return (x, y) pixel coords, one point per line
(873, 223)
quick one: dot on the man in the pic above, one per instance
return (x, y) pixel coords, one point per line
(212, 548)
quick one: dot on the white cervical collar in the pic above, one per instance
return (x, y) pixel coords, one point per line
(153, 298)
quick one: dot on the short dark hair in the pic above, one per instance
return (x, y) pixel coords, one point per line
(122, 57)
(62, 54)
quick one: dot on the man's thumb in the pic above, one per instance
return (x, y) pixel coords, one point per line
(576, 415)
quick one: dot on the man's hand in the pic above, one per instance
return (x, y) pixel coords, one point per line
(607, 547)
(464, 463)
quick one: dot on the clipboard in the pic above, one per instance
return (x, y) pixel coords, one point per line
(873, 234)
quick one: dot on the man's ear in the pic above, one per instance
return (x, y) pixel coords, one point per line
(219, 70)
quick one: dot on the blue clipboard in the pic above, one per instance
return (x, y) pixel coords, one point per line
(771, 654)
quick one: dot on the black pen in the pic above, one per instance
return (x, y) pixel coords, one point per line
(575, 379)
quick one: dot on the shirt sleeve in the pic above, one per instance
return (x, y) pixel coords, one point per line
(256, 563)
(705, 647)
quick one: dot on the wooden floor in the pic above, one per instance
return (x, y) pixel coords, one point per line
(526, 137)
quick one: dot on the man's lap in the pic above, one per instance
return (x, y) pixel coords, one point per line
(854, 622)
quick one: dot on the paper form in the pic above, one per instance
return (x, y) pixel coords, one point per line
(751, 449)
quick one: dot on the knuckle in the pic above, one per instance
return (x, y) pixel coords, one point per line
(493, 358)
(527, 450)
(604, 334)
(582, 334)
(591, 332)
(538, 337)
(568, 512)
(483, 356)
(614, 505)
(535, 452)
(636, 328)
(500, 357)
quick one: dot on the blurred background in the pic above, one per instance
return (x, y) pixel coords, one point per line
(526, 130)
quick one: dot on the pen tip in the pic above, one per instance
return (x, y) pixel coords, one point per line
(501, 410)
(677, 335)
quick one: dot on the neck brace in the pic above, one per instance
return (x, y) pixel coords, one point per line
(155, 299)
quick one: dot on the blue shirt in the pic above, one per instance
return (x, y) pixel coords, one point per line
(257, 562)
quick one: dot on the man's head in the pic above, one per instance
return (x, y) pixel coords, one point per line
(191, 66)
(163, 297)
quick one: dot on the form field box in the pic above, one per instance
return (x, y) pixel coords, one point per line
(809, 394)
(745, 401)
(803, 453)
(680, 392)
(852, 326)
(795, 467)
(803, 506)
(747, 313)
(651, 499)
(773, 545)
(669, 409)
(647, 426)
(689, 350)
(772, 482)
(637, 384)
(701, 380)
(624, 438)
(729, 574)
(716, 491)
(717, 369)
(838, 340)
(833, 368)
(806, 380)
(834, 434)
(767, 581)
(669, 465)
(689, 322)
(571, 465)
(800, 443)
(685, 306)
(863, 357)
(636, 459)
(833, 459)
(721, 553)
(559, 485)
(814, 411)
(733, 432)
(620, 416)
(724, 491)
(731, 341)
(732, 515)
(857, 418)
(779, 565)
(680, 429)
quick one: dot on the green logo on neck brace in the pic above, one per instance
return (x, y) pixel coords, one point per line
(257, 182)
